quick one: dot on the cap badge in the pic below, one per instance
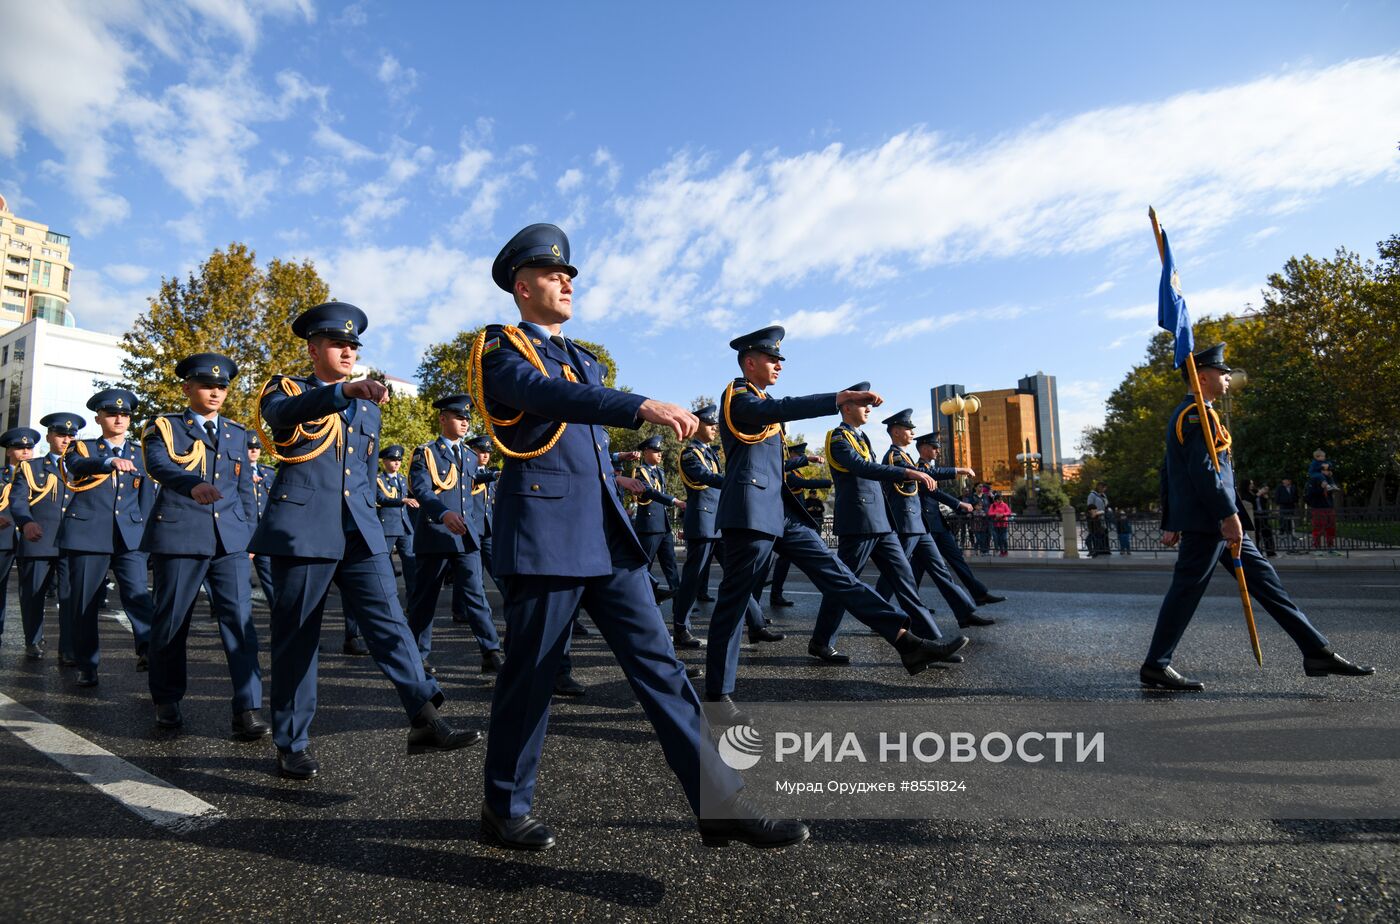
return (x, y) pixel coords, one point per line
(216, 369)
(554, 249)
(349, 325)
(119, 402)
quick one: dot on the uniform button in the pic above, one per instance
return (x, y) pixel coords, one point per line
(347, 493)
(351, 448)
(534, 487)
(347, 471)
(216, 514)
(349, 429)
(216, 474)
(284, 497)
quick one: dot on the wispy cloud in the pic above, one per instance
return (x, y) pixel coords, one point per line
(1217, 300)
(809, 324)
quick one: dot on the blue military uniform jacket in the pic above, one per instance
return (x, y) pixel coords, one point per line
(929, 500)
(9, 535)
(39, 495)
(314, 501)
(261, 488)
(389, 494)
(654, 504)
(1195, 497)
(754, 495)
(551, 509)
(483, 495)
(440, 486)
(180, 457)
(102, 494)
(700, 470)
(861, 508)
(907, 507)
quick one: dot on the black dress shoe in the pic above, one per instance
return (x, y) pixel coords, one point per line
(781, 601)
(827, 653)
(437, 735)
(972, 619)
(704, 598)
(429, 669)
(566, 685)
(953, 659)
(988, 599)
(87, 678)
(747, 826)
(918, 653)
(663, 594)
(763, 634)
(34, 652)
(1167, 678)
(491, 662)
(142, 663)
(579, 630)
(1328, 661)
(684, 638)
(296, 765)
(249, 726)
(524, 833)
(724, 711)
(168, 715)
(355, 646)
(694, 672)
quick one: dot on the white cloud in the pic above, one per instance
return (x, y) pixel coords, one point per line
(377, 200)
(1215, 301)
(936, 322)
(570, 179)
(809, 324)
(1074, 185)
(1262, 234)
(339, 145)
(99, 305)
(126, 273)
(612, 170)
(399, 80)
(1101, 288)
(189, 229)
(463, 172)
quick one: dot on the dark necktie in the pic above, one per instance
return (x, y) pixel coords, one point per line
(568, 349)
(457, 455)
(213, 430)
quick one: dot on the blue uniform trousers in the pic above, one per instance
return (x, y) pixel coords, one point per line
(36, 577)
(466, 571)
(953, 554)
(87, 573)
(177, 582)
(368, 590)
(7, 560)
(539, 612)
(780, 573)
(747, 555)
(1196, 560)
(699, 554)
(408, 562)
(661, 548)
(262, 564)
(893, 565)
(924, 558)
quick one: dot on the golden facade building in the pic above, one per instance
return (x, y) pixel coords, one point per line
(1007, 422)
(37, 272)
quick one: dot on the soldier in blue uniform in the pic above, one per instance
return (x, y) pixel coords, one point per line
(758, 517)
(865, 530)
(321, 527)
(446, 536)
(652, 520)
(204, 517)
(19, 444)
(797, 460)
(1201, 511)
(703, 478)
(948, 545)
(103, 527)
(906, 511)
(484, 500)
(562, 538)
(397, 508)
(37, 502)
(262, 483)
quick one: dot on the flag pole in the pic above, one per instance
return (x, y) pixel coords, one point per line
(1215, 461)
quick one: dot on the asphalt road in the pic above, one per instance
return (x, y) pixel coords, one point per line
(384, 836)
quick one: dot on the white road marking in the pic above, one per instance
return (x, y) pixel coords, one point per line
(138, 791)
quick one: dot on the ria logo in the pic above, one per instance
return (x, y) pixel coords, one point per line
(740, 747)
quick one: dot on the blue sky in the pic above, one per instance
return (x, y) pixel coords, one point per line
(923, 193)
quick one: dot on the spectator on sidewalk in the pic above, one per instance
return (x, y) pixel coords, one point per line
(981, 529)
(1098, 500)
(1000, 514)
(1096, 538)
(1320, 495)
(1286, 497)
(1125, 531)
(1259, 497)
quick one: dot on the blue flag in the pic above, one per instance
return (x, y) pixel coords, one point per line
(1171, 306)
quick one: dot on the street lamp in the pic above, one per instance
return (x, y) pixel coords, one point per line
(1030, 460)
(957, 407)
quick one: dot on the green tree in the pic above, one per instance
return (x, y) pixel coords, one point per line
(408, 420)
(1050, 500)
(230, 306)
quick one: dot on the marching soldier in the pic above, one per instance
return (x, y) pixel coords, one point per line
(865, 530)
(38, 500)
(906, 510)
(103, 528)
(1201, 511)
(948, 545)
(797, 459)
(484, 501)
(758, 519)
(445, 534)
(19, 447)
(700, 471)
(262, 483)
(652, 521)
(204, 517)
(321, 527)
(563, 538)
(396, 510)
